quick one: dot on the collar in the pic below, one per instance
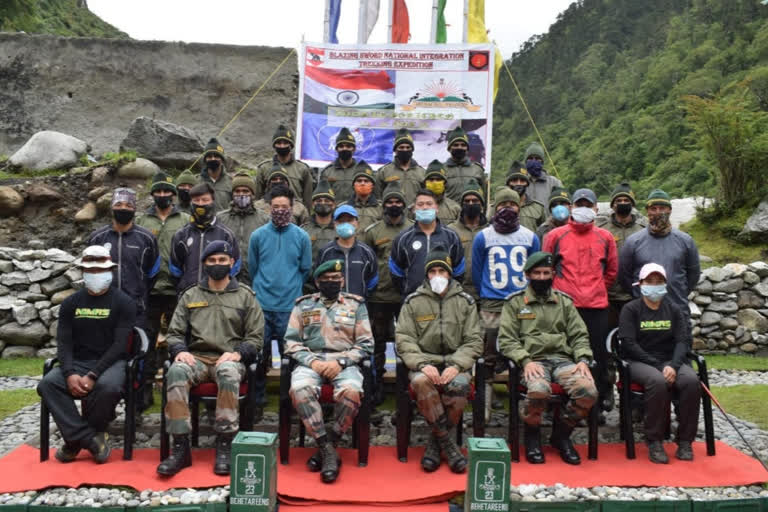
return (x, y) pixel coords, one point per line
(232, 285)
(530, 297)
(387, 220)
(438, 226)
(289, 162)
(337, 164)
(453, 163)
(413, 163)
(152, 210)
(371, 201)
(314, 221)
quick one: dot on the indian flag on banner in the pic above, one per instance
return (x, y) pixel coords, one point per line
(349, 88)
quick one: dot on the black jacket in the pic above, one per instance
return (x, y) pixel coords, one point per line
(361, 271)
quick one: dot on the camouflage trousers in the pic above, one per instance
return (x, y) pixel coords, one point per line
(347, 394)
(441, 402)
(581, 391)
(181, 377)
(491, 321)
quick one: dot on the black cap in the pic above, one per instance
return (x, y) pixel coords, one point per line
(217, 247)
(284, 134)
(214, 148)
(345, 136)
(439, 257)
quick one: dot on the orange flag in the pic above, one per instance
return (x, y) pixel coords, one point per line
(400, 23)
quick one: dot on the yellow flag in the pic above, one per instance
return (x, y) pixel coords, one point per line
(477, 33)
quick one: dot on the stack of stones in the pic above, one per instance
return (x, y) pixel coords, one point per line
(33, 284)
(729, 309)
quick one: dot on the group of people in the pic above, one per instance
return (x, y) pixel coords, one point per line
(336, 266)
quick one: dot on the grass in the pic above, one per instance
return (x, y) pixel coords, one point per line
(15, 399)
(745, 402)
(737, 362)
(716, 237)
(30, 366)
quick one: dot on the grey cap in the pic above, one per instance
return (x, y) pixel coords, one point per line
(584, 193)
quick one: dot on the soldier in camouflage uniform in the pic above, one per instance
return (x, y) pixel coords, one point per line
(403, 169)
(559, 212)
(542, 332)
(184, 183)
(471, 220)
(364, 199)
(328, 335)
(299, 173)
(435, 180)
(532, 212)
(279, 176)
(340, 172)
(320, 227)
(214, 173)
(439, 338)
(216, 330)
(460, 169)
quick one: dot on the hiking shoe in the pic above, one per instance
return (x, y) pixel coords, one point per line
(684, 450)
(431, 459)
(99, 447)
(656, 453)
(67, 452)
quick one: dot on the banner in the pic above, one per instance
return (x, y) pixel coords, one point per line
(374, 90)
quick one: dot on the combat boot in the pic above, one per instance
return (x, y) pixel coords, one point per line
(67, 452)
(456, 460)
(99, 447)
(180, 457)
(431, 459)
(329, 471)
(532, 441)
(223, 453)
(561, 439)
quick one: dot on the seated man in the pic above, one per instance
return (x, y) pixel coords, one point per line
(94, 326)
(216, 331)
(328, 335)
(654, 335)
(439, 337)
(543, 333)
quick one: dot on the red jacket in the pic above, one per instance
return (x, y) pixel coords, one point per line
(588, 262)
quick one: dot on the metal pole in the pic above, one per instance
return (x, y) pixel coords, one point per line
(433, 32)
(391, 20)
(362, 15)
(466, 21)
(327, 22)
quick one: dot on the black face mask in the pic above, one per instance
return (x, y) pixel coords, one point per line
(203, 214)
(472, 211)
(184, 196)
(323, 209)
(520, 189)
(217, 272)
(163, 202)
(624, 209)
(329, 289)
(284, 151)
(404, 156)
(541, 286)
(212, 165)
(345, 154)
(458, 154)
(123, 216)
(393, 211)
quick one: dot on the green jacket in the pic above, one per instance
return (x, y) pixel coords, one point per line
(299, 178)
(546, 227)
(467, 236)
(620, 234)
(243, 223)
(222, 188)
(209, 323)
(379, 236)
(367, 212)
(448, 210)
(439, 331)
(532, 330)
(532, 214)
(411, 181)
(319, 235)
(163, 231)
(459, 174)
(340, 179)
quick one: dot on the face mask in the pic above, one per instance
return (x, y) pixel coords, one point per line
(329, 289)
(623, 209)
(217, 272)
(393, 211)
(506, 220)
(242, 201)
(659, 223)
(654, 292)
(203, 214)
(163, 202)
(184, 196)
(345, 230)
(541, 286)
(213, 165)
(425, 216)
(323, 209)
(534, 167)
(363, 189)
(404, 156)
(472, 211)
(345, 154)
(281, 218)
(458, 155)
(97, 283)
(438, 284)
(123, 216)
(438, 187)
(583, 215)
(561, 213)
(520, 189)
(284, 151)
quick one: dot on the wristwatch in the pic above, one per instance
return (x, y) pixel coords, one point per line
(343, 362)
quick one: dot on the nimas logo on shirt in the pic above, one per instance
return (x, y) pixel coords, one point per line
(655, 325)
(97, 313)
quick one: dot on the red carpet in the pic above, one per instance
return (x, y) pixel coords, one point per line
(386, 480)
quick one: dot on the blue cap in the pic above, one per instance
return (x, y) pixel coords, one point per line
(217, 247)
(584, 193)
(345, 208)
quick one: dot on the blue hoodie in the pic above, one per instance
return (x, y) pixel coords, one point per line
(279, 261)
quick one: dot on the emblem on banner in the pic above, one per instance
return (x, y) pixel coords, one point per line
(315, 56)
(441, 94)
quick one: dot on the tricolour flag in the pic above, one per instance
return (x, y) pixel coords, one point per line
(349, 88)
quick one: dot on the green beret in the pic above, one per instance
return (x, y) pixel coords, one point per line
(539, 259)
(329, 266)
(658, 196)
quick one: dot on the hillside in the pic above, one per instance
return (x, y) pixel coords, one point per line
(55, 17)
(605, 87)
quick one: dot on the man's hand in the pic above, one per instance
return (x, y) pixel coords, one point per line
(228, 356)
(327, 369)
(432, 374)
(448, 375)
(582, 370)
(669, 375)
(75, 386)
(533, 370)
(186, 358)
(88, 383)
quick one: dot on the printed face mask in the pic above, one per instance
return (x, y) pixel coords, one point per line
(561, 213)
(345, 230)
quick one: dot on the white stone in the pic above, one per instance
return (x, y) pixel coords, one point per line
(49, 150)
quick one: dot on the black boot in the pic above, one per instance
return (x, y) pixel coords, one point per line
(180, 457)
(561, 439)
(329, 471)
(452, 453)
(532, 441)
(315, 461)
(431, 459)
(223, 453)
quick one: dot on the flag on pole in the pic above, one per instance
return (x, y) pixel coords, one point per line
(349, 87)
(401, 27)
(477, 33)
(371, 16)
(442, 34)
(334, 12)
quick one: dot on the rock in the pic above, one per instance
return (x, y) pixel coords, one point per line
(53, 328)
(24, 314)
(46, 353)
(717, 274)
(58, 297)
(58, 256)
(730, 286)
(761, 288)
(13, 278)
(36, 244)
(750, 278)
(98, 175)
(38, 275)
(55, 285)
(694, 309)
(759, 267)
(46, 316)
(49, 150)
(757, 223)
(87, 213)
(737, 269)
(34, 334)
(704, 287)
(73, 274)
(24, 266)
(11, 202)
(749, 348)
(727, 306)
(166, 144)
(39, 193)
(13, 352)
(139, 169)
(703, 300)
(7, 302)
(704, 259)
(97, 193)
(710, 318)
(104, 203)
(729, 323)
(749, 299)
(6, 266)
(699, 344)
(31, 255)
(752, 320)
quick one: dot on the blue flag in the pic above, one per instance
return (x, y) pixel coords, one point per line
(334, 13)
(318, 140)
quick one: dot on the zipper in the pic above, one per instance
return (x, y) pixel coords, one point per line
(119, 260)
(346, 271)
(199, 257)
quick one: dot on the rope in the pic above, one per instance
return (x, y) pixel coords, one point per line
(247, 103)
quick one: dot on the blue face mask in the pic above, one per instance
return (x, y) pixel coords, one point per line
(534, 167)
(654, 292)
(97, 283)
(561, 213)
(345, 230)
(425, 216)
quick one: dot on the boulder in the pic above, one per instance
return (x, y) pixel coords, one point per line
(39, 193)
(96, 193)
(87, 213)
(752, 320)
(24, 313)
(46, 353)
(39, 274)
(710, 318)
(58, 256)
(58, 298)
(727, 306)
(104, 203)
(750, 278)
(11, 202)
(759, 267)
(29, 296)
(54, 285)
(761, 288)
(24, 266)
(694, 310)
(736, 269)
(15, 352)
(757, 224)
(729, 285)
(73, 274)
(6, 266)
(749, 348)
(704, 287)
(31, 255)
(12, 278)
(33, 334)
(717, 274)
(729, 323)
(702, 300)
(166, 144)
(139, 169)
(749, 299)
(49, 150)
(98, 175)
